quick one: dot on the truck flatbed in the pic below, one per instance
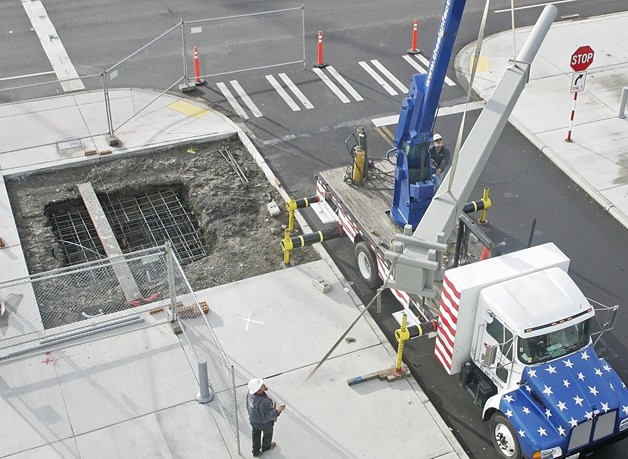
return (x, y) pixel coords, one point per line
(368, 204)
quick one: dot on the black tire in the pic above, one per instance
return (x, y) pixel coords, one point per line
(504, 437)
(367, 265)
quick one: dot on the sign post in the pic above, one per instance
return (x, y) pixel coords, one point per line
(580, 61)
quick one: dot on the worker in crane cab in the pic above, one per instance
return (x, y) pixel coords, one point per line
(441, 158)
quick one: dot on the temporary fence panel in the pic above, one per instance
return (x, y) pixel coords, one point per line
(157, 65)
(85, 302)
(246, 42)
(20, 105)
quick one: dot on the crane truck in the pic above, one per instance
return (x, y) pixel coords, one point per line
(515, 328)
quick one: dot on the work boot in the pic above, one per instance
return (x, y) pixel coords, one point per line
(272, 445)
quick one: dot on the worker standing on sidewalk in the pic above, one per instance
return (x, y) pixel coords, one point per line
(263, 412)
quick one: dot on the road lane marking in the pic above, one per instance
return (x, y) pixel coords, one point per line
(331, 85)
(282, 92)
(52, 45)
(442, 111)
(414, 63)
(245, 97)
(426, 62)
(232, 101)
(377, 78)
(344, 83)
(538, 5)
(296, 91)
(386, 135)
(389, 75)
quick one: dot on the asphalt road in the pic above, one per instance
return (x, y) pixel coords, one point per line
(524, 185)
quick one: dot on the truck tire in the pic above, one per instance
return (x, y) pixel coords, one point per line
(367, 265)
(504, 437)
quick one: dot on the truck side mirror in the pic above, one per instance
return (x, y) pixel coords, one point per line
(490, 354)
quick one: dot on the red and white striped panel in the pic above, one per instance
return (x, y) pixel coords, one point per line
(347, 224)
(320, 191)
(448, 320)
(401, 296)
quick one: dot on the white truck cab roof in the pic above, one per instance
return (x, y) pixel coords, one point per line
(538, 302)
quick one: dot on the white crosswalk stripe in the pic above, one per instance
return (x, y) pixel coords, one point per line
(331, 85)
(414, 63)
(296, 91)
(340, 79)
(232, 100)
(282, 92)
(443, 111)
(426, 63)
(378, 78)
(245, 97)
(389, 75)
(339, 87)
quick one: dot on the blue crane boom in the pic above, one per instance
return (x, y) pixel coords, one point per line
(414, 187)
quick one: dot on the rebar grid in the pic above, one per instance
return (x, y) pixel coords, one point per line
(138, 222)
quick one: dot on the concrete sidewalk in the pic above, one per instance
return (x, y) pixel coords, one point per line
(134, 394)
(597, 156)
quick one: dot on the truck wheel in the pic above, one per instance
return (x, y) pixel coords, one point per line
(504, 437)
(367, 265)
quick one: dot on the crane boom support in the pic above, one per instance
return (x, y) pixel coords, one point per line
(418, 257)
(414, 187)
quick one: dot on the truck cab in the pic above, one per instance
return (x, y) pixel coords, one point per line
(526, 321)
(550, 394)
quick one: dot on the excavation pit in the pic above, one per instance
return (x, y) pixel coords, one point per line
(230, 235)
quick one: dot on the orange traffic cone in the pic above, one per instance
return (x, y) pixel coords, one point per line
(485, 253)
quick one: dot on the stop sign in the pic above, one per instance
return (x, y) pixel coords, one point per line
(581, 58)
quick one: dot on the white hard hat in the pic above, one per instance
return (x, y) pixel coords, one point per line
(437, 137)
(255, 385)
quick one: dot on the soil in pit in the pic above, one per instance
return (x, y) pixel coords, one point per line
(241, 239)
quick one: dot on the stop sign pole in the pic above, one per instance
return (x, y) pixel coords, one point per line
(580, 61)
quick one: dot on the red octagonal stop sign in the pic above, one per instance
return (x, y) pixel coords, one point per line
(581, 58)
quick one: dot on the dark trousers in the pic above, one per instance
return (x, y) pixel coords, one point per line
(262, 443)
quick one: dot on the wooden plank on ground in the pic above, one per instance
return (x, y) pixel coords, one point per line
(109, 241)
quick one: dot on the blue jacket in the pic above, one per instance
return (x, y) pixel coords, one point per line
(262, 411)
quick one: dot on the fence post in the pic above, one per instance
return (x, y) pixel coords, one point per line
(235, 409)
(622, 105)
(204, 395)
(174, 323)
(186, 86)
(112, 141)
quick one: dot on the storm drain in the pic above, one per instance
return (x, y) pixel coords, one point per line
(138, 222)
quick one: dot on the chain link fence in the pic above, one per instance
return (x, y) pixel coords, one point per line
(225, 46)
(161, 61)
(21, 107)
(262, 40)
(55, 309)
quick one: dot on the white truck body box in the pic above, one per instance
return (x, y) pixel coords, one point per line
(461, 290)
